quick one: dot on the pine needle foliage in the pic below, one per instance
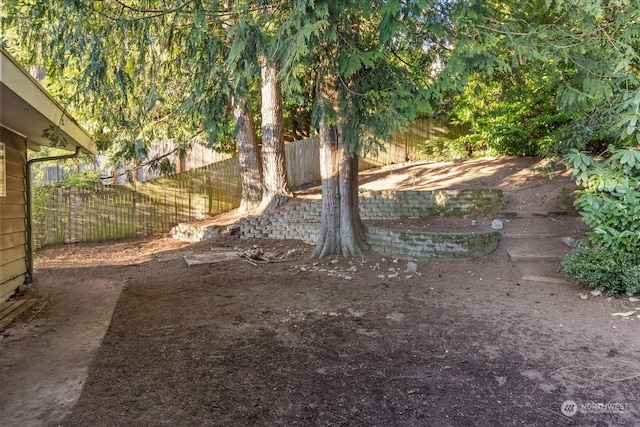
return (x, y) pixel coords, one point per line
(371, 49)
(138, 71)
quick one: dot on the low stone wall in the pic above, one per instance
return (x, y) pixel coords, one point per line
(406, 244)
(194, 233)
(300, 220)
(391, 204)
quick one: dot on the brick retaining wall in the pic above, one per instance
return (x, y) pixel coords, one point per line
(392, 204)
(300, 220)
(407, 244)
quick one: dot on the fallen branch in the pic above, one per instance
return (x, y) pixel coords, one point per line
(257, 256)
(254, 256)
(255, 264)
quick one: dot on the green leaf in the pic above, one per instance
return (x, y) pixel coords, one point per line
(631, 127)
(624, 314)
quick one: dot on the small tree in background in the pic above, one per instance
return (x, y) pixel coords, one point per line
(537, 77)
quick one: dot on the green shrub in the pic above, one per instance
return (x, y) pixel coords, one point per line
(604, 269)
(79, 179)
(609, 203)
(614, 218)
(446, 148)
(632, 279)
(610, 200)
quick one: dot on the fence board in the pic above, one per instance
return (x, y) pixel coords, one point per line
(107, 212)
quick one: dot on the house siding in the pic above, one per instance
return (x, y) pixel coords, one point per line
(13, 251)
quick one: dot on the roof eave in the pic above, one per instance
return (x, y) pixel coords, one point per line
(28, 110)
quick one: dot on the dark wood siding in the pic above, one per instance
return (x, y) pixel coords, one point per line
(13, 255)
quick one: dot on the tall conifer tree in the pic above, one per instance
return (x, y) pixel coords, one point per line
(364, 90)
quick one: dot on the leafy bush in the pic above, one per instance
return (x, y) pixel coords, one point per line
(610, 200)
(79, 179)
(445, 148)
(511, 115)
(607, 270)
(610, 204)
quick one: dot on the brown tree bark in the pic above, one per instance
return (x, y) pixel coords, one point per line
(275, 188)
(247, 146)
(352, 231)
(342, 229)
(329, 240)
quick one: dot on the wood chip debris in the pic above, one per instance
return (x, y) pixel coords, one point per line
(257, 256)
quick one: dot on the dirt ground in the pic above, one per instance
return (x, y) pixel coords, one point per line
(361, 342)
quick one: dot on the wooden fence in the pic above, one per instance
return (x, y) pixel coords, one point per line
(106, 212)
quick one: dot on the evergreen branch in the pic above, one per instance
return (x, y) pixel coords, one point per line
(145, 164)
(156, 12)
(345, 40)
(344, 84)
(506, 33)
(148, 13)
(397, 56)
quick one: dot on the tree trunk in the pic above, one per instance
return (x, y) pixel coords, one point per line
(342, 228)
(275, 189)
(352, 232)
(247, 145)
(329, 241)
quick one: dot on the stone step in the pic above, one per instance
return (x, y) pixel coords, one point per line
(526, 254)
(531, 236)
(544, 279)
